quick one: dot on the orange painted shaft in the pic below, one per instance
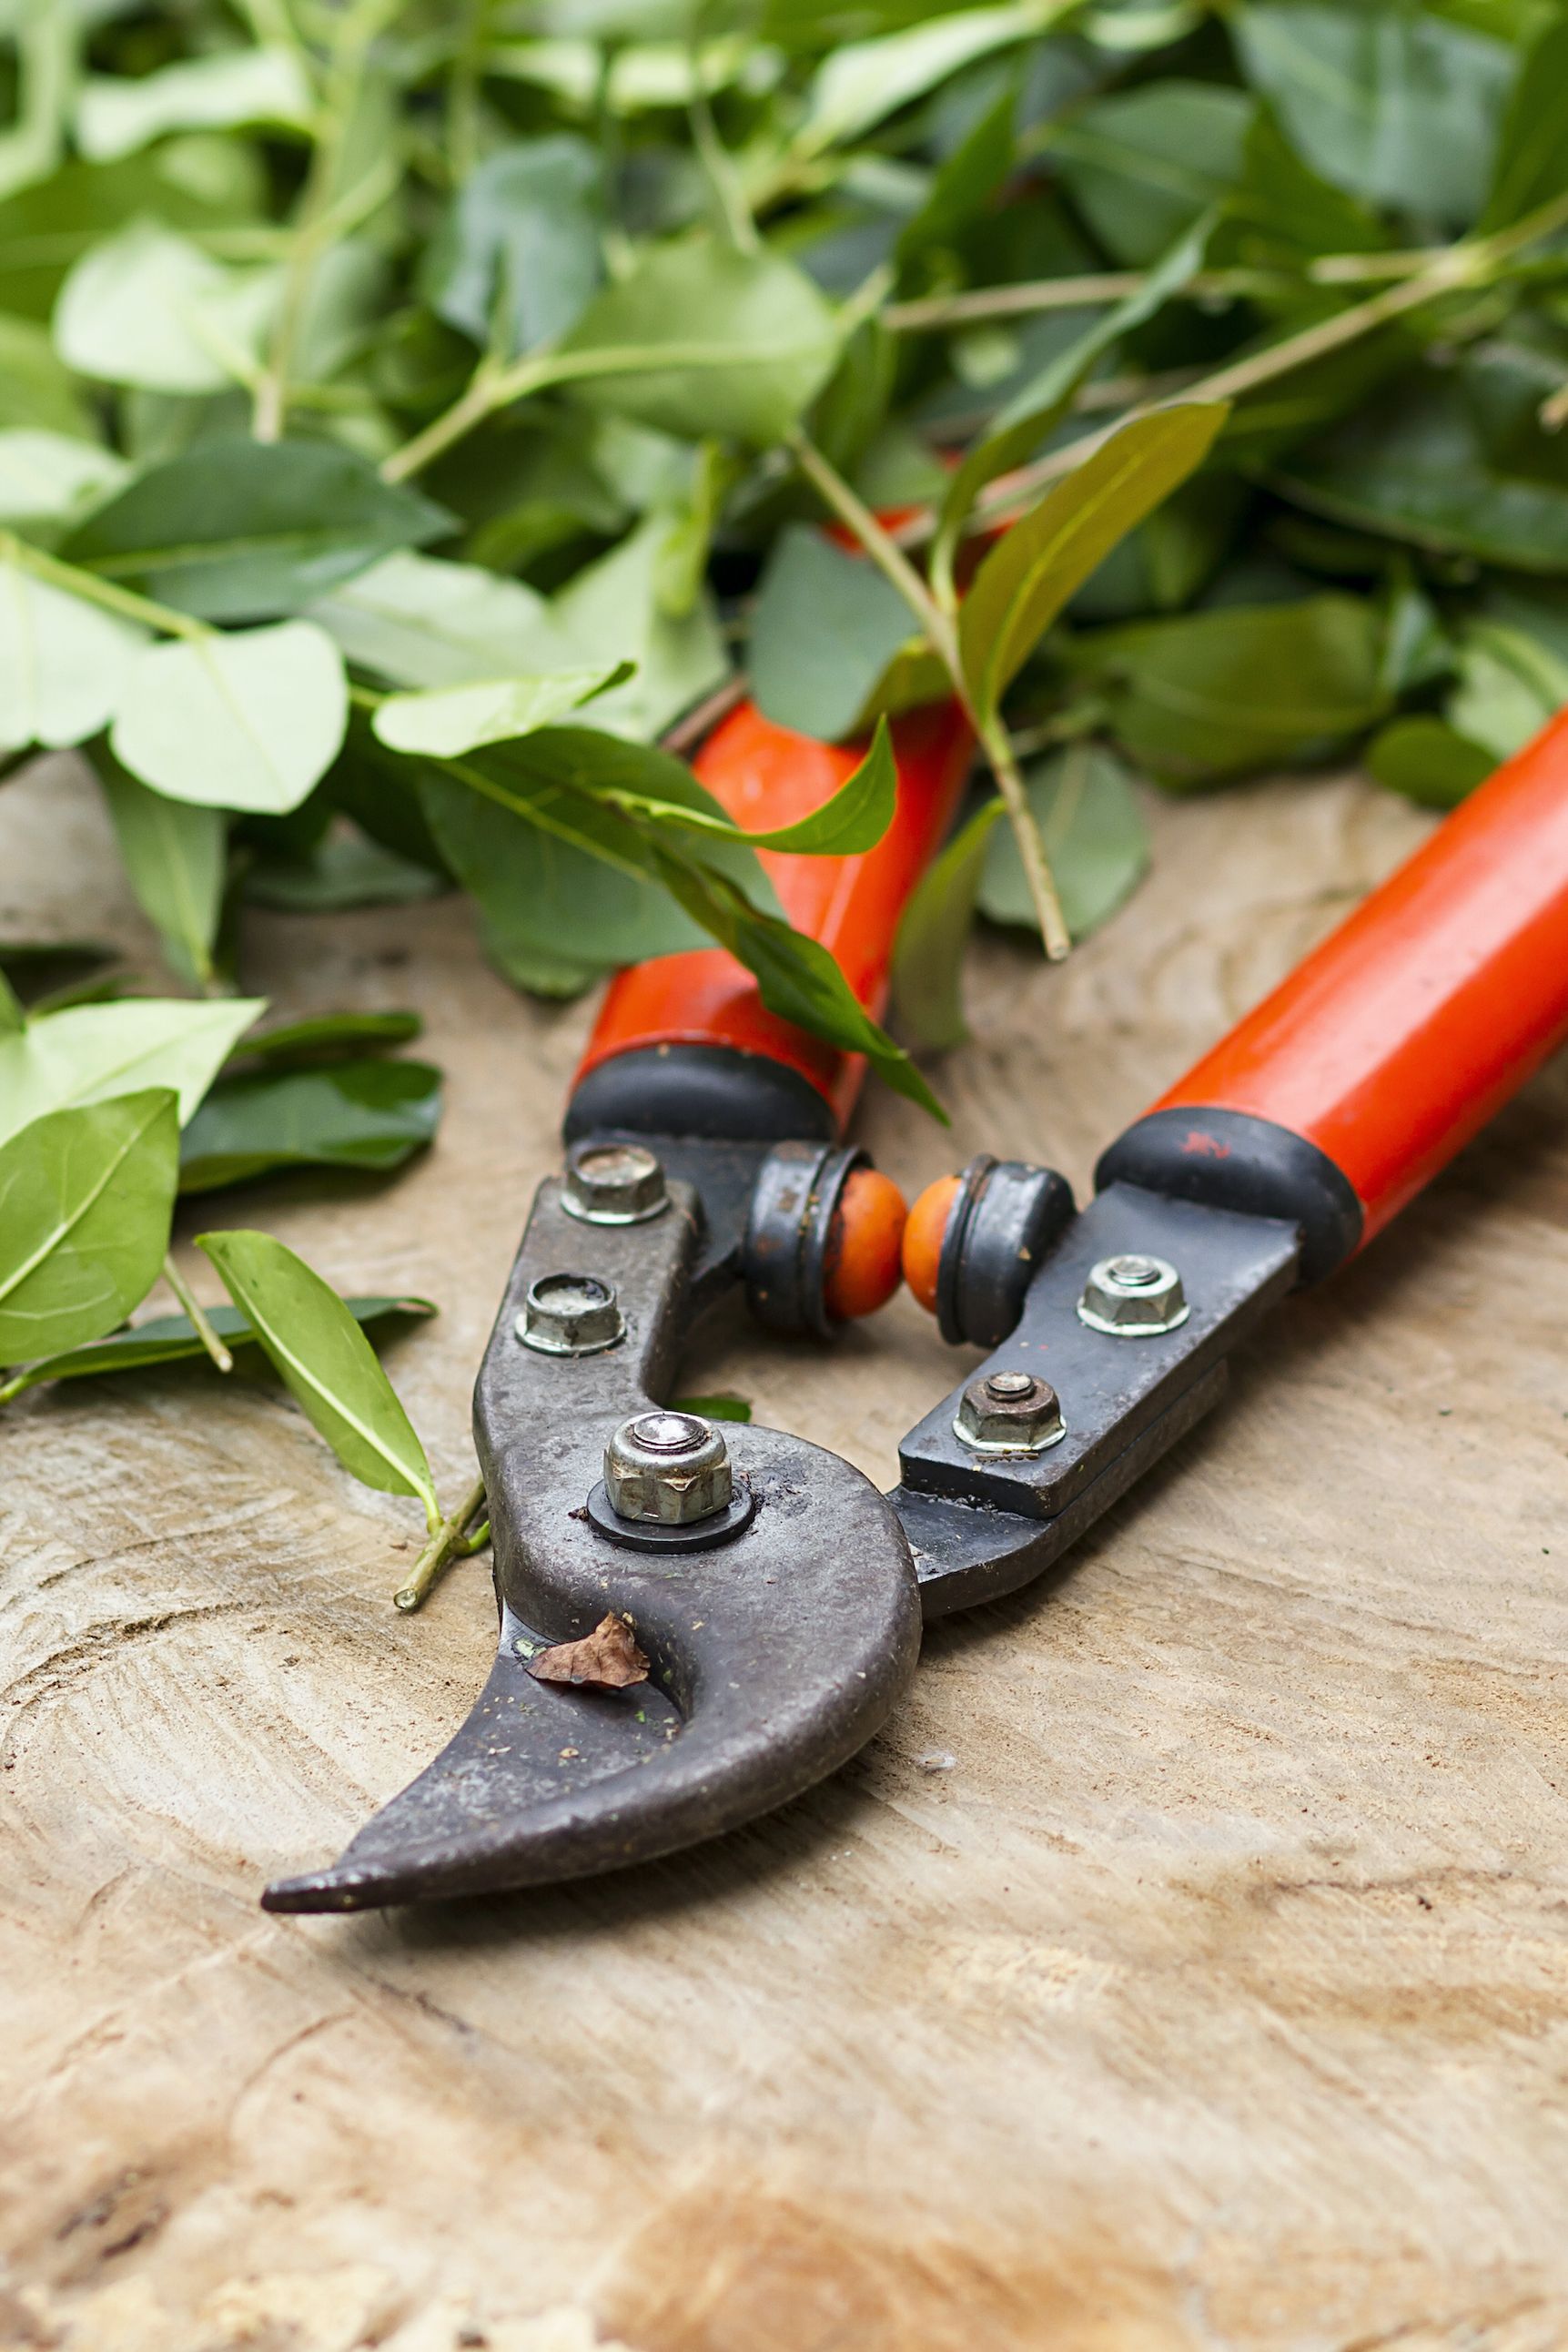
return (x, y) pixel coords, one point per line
(765, 776)
(1400, 1036)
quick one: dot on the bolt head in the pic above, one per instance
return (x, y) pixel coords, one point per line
(1010, 1412)
(671, 1467)
(614, 1184)
(1132, 1297)
(570, 1315)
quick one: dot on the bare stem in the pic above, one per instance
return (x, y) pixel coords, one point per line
(1089, 290)
(998, 750)
(93, 590)
(447, 1542)
(198, 1315)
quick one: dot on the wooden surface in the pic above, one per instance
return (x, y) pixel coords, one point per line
(1218, 1994)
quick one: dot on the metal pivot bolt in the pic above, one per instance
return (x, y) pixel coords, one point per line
(570, 1315)
(1132, 1297)
(1010, 1412)
(671, 1467)
(614, 1184)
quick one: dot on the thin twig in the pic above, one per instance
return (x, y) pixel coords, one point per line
(198, 1315)
(448, 1541)
(1090, 290)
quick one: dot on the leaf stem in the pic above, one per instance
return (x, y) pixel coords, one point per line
(448, 1541)
(1089, 290)
(198, 1315)
(998, 749)
(87, 585)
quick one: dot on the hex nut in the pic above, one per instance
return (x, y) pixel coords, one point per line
(570, 1315)
(1132, 1297)
(671, 1467)
(614, 1184)
(1010, 1412)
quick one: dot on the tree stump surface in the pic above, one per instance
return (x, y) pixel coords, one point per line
(1215, 1996)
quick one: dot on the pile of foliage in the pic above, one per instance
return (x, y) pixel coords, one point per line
(418, 419)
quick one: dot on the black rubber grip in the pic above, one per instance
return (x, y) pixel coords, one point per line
(1232, 1159)
(714, 1093)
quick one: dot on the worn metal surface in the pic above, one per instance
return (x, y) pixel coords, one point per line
(1186, 1965)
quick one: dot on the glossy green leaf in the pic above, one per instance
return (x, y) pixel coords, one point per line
(1394, 103)
(326, 1360)
(724, 343)
(175, 857)
(327, 1037)
(1028, 576)
(1143, 167)
(250, 719)
(64, 664)
(927, 987)
(519, 256)
(1428, 761)
(92, 1051)
(242, 529)
(1094, 833)
(366, 1115)
(1208, 695)
(174, 1340)
(117, 115)
(825, 628)
(445, 721)
(86, 1197)
(852, 820)
(796, 977)
(152, 308)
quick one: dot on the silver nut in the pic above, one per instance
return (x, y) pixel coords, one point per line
(614, 1184)
(1010, 1412)
(570, 1315)
(1132, 1297)
(672, 1468)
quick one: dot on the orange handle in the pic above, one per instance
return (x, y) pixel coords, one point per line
(1394, 1042)
(764, 776)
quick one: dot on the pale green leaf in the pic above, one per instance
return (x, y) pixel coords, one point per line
(863, 82)
(446, 721)
(929, 955)
(1030, 575)
(118, 114)
(419, 621)
(86, 1197)
(326, 1360)
(150, 308)
(64, 663)
(825, 628)
(250, 719)
(50, 478)
(175, 856)
(91, 1052)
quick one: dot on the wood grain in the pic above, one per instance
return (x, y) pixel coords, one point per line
(1216, 1995)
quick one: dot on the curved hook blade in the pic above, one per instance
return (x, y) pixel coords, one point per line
(774, 1656)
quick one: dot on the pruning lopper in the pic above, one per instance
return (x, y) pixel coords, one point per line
(769, 1594)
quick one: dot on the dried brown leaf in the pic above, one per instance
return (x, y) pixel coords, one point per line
(606, 1659)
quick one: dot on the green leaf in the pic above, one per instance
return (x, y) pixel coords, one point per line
(1428, 761)
(1533, 150)
(1509, 686)
(92, 1051)
(1143, 167)
(1208, 695)
(197, 182)
(418, 621)
(64, 664)
(38, 391)
(1020, 428)
(1415, 469)
(825, 628)
(1092, 829)
(50, 478)
(724, 343)
(370, 1116)
(150, 308)
(721, 1407)
(242, 529)
(344, 870)
(1029, 575)
(796, 977)
(863, 82)
(611, 612)
(176, 862)
(1287, 212)
(246, 720)
(852, 820)
(174, 1339)
(13, 1016)
(929, 956)
(445, 721)
(327, 1037)
(519, 256)
(326, 1360)
(224, 91)
(1393, 103)
(86, 1197)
